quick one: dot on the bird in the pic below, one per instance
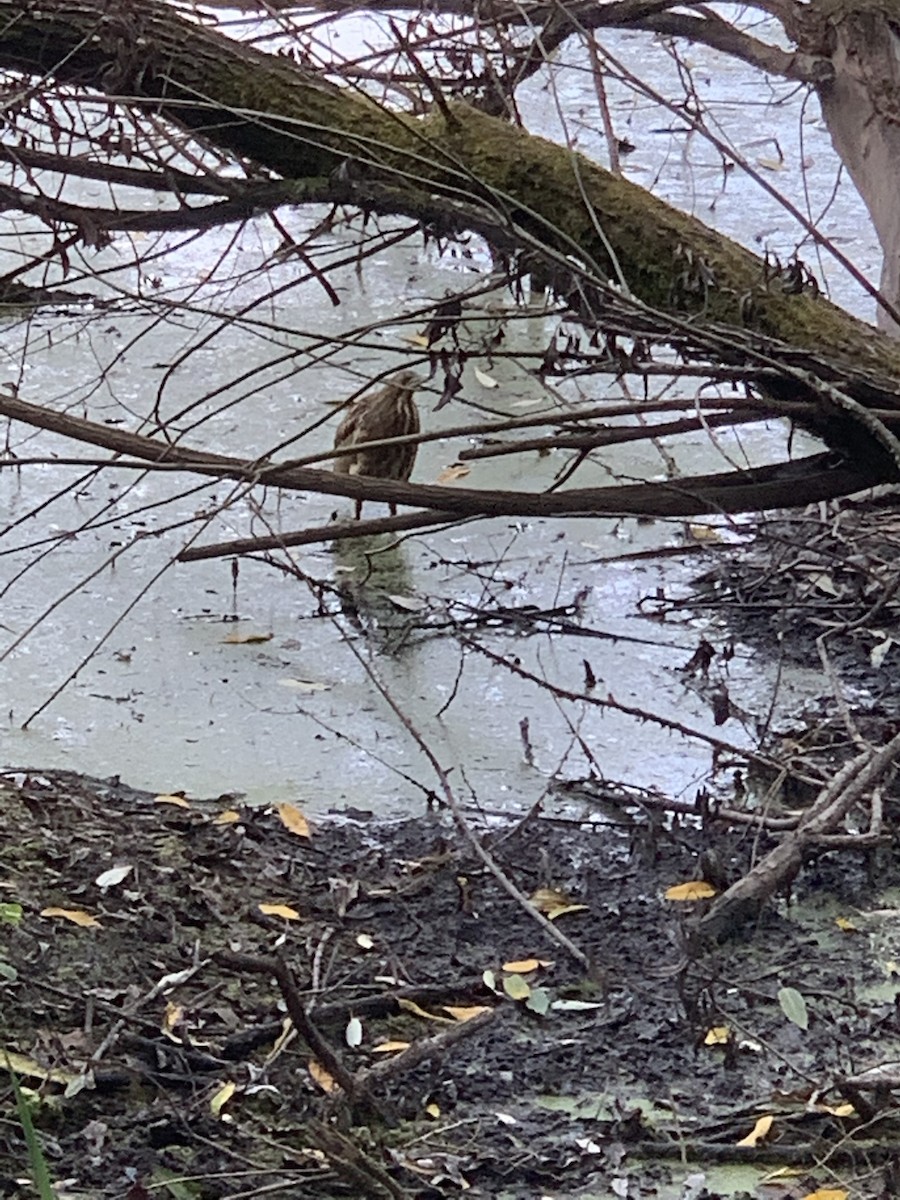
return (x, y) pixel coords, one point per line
(388, 413)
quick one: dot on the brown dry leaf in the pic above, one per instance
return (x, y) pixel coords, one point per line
(279, 910)
(523, 965)
(758, 1132)
(546, 899)
(293, 820)
(172, 798)
(697, 889)
(229, 817)
(467, 1012)
(246, 639)
(455, 471)
(75, 915)
(321, 1078)
(390, 1047)
(410, 1006)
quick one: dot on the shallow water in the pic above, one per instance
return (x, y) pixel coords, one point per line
(164, 700)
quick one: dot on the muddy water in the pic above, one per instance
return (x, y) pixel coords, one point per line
(155, 692)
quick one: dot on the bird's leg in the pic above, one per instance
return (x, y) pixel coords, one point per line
(392, 508)
(359, 505)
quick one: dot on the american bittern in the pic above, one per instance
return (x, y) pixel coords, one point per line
(388, 413)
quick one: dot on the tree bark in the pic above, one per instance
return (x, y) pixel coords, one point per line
(460, 166)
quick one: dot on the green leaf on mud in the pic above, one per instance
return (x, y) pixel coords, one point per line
(793, 1006)
(11, 914)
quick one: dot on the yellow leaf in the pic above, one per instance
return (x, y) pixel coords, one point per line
(697, 889)
(173, 1014)
(228, 817)
(837, 1110)
(719, 1035)
(293, 820)
(759, 1131)
(553, 913)
(221, 1098)
(172, 798)
(827, 1194)
(433, 1110)
(390, 1047)
(279, 910)
(845, 924)
(28, 1068)
(410, 1006)
(465, 1014)
(523, 965)
(454, 471)
(246, 639)
(321, 1078)
(75, 915)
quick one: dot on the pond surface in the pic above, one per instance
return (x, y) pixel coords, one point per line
(117, 657)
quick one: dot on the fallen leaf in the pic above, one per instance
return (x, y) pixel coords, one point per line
(845, 924)
(75, 915)
(410, 1006)
(112, 877)
(306, 686)
(523, 965)
(173, 798)
(697, 889)
(455, 471)
(279, 910)
(793, 1006)
(719, 1035)
(28, 1068)
(545, 899)
(408, 603)
(390, 1047)
(293, 820)
(229, 817)
(827, 1194)
(486, 381)
(433, 1110)
(173, 1015)
(553, 913)
(365, 941)
(246, 639)
(459, 1013)
(516, 987)
(221, 1098)
(320, 1077)
(353, 1034)
(758, 1132)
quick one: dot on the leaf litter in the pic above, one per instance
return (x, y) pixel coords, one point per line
(165, 1020)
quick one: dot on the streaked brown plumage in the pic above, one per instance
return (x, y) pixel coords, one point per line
(390, 412)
